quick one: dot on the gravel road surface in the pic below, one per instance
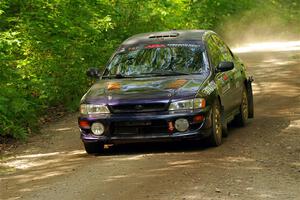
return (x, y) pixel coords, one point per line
(259, 161)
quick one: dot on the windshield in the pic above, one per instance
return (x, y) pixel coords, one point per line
(158, 59)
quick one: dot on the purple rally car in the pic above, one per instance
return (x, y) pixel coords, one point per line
(165, 86)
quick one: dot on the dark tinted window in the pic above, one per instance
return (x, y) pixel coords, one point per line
(218, 50)
(214, 52)
(226, 54)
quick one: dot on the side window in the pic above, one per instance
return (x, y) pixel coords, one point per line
(226, 54)
(213, 52)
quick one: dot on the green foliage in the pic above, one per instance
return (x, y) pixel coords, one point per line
(47, 45)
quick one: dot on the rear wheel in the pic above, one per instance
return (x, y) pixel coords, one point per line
(215, 139)
(250, 98)
(93, 147)
(225, 131)
(242, 117)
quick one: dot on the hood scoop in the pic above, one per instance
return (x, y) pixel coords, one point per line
(172, 35)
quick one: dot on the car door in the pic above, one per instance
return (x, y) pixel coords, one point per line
(234, 75)
(223, 78)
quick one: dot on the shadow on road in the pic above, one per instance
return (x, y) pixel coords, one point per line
(155, 147)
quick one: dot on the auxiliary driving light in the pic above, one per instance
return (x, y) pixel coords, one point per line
(181, 124)
(97, 128)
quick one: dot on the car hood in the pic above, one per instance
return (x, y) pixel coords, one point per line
(143, 90)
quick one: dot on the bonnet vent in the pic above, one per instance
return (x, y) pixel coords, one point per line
(172, 35)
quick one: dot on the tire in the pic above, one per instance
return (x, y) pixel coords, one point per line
(94, 147)
(225, 131)
(250, 98)
(215, 138)
(242, 118)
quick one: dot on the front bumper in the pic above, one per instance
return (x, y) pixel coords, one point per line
(145, 127)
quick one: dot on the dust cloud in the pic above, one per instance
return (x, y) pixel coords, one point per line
(267, 27)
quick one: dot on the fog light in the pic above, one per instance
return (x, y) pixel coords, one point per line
(97, 128)
(181, 124)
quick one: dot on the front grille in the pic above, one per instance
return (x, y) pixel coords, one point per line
(136, 128)
(131, 108)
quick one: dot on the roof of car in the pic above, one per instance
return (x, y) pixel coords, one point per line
(174, 35)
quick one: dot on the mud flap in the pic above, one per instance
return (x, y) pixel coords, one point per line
(250, 97)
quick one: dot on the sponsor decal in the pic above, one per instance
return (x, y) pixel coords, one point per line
(151, 46)
(225, 77)
(138, 107)
(226, 88)
(210, 88)
(176, 84)
(184, 45)
(237, 84)
(132, 48)
(113, 86)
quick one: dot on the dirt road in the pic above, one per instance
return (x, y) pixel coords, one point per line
(260, 161)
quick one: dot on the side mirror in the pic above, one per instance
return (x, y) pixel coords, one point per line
(224, 66)
(93, 73)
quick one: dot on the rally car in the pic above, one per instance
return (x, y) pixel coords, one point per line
(165, 86)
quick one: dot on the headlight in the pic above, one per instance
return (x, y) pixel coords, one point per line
(93, 109)
(188, 104)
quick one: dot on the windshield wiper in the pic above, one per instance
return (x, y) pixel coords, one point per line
(165, 73)
(117, 76)
(195, 73)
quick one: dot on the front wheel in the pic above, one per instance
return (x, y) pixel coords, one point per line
(215, 139)
(93, 147)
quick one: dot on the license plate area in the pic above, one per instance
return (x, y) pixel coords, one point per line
(126, 128)
(135, 123)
